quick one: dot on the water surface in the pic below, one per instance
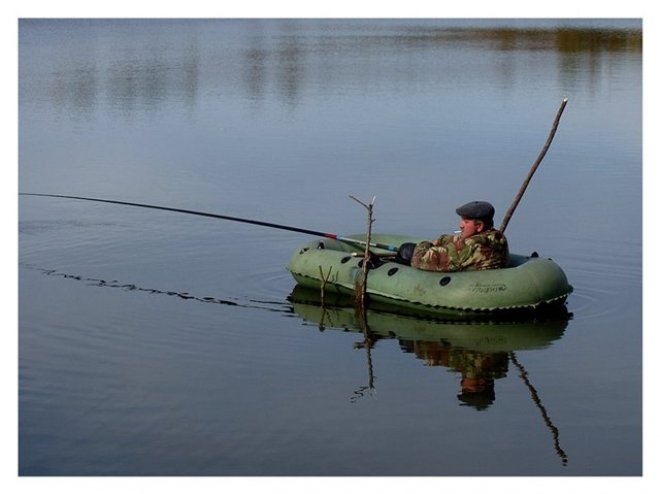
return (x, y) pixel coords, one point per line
(155, 343)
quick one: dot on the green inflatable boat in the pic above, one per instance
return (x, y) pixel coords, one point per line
(529, 284)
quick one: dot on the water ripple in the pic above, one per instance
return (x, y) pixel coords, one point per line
(272, 305)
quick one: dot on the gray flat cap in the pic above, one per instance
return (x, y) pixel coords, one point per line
(477, 210)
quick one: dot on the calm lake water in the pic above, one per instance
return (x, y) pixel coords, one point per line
(153, 343)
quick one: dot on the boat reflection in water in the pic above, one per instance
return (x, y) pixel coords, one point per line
(480, 350)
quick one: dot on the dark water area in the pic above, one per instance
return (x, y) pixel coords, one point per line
(152, 343)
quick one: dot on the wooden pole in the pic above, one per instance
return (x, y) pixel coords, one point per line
(513, 207)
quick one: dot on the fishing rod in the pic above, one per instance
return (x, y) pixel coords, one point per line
(315, 233)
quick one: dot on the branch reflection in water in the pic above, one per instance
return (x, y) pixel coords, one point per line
(479, 350)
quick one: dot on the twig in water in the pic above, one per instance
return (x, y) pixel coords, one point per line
(361, 287)
(324, 281)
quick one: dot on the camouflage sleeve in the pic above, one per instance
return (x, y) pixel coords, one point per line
(484, 251)
(493, 251)
(448, 256)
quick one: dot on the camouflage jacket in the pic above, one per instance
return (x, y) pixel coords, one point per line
(487, 250)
